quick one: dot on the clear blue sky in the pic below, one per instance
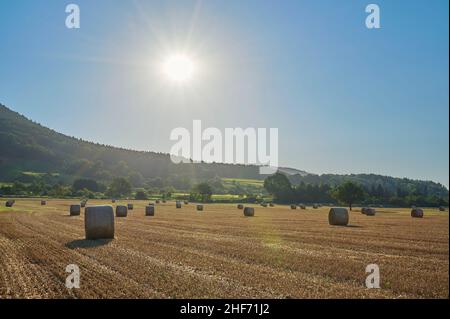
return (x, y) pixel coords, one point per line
(345, 99)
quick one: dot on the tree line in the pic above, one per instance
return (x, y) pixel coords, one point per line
(348, 191)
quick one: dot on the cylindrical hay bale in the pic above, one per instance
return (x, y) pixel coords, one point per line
(150, 210)
(113, 200)
(369, 211)
(417, 213)
(442, 209)
(83, 203)
(186, 202)
(315, 206)
(363, 210)
(130, 206)
(164, 201)
(263, 204)
(338, 216)
(151, 204)
(121, 211)
(271, 205)
(302, 206)
(293, 206)
(157, 201)
(99, 222)
(240, 206)
(249, 211)
(178, 204)
(75, 210)
(200, 208)
(43, 202)
(9, 203)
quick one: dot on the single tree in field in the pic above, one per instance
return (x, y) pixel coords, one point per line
(348, 193)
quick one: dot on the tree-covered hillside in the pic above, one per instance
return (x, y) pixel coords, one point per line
(43, 159)
(27, 146)
(377, 185)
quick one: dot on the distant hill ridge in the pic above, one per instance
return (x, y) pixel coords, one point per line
(27, 146)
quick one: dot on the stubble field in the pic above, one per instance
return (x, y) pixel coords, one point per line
(219, 253)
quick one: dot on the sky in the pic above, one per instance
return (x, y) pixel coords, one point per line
(345, 98)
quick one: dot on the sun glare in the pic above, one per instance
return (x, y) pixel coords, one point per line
(178, 68)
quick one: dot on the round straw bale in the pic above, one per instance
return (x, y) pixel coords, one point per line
(417, 213)
(83, 203)
(302, 206)
(130, 206)
(249, 211)
(293, 206)
(178, 204)
(43, 202)
(157, 201)
(99, 222)
(164, 201)
(186, 202)
(442, 209)
(264, 204)
(113, 200)
(200, 207)
(121, 211)
(369, 211)
(240, 206)
(271, 205)
(75, 210)
(315, 206)
(9, 203)
(338, 216)
(150, 210)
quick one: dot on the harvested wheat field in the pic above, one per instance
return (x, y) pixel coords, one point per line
(181, 253)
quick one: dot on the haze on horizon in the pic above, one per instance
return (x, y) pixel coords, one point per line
(344, 98)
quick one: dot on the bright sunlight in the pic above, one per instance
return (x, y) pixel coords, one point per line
(178, 68)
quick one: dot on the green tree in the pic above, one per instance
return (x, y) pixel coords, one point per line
(348, 193)
(135, 179)
(155, 182)
(201, 192)
(119, 187)
(279, 186)
(122, 168)
(85, 183)
(141, 194)
(167, 192)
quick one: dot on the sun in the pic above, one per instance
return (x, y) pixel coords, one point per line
(178, 68)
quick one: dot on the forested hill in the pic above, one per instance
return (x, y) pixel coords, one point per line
(377, 185)
(28, 146)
